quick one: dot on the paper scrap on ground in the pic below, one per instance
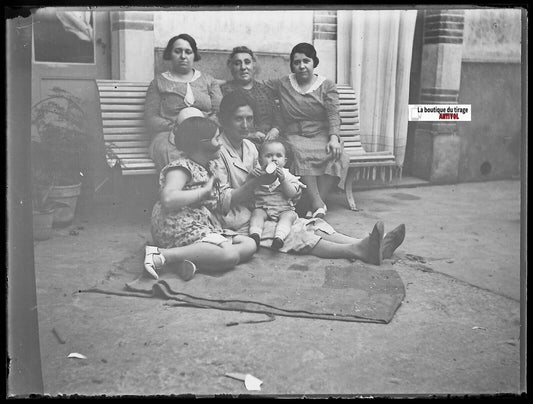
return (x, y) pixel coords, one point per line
(76, 355)
(252, 383)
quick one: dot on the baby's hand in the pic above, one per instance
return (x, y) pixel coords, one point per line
(280, 173)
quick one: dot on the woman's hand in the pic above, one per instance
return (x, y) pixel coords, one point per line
(334, 147)
(272, 134)
(257, 172)
(256, 136)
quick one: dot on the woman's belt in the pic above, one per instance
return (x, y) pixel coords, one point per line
(306, 128)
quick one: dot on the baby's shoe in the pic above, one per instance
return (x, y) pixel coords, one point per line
(277, 243)
(257, 238)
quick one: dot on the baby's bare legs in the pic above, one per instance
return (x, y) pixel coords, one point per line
(257, 222)
(286, 219)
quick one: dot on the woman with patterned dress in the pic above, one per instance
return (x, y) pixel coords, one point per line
(267, 119)
(310, 109)
(180, 87)
(186, 233)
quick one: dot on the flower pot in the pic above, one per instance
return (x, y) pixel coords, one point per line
(42, 224)
(68, 195)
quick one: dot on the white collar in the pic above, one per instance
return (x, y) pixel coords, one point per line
(168, 75)
(318, 82)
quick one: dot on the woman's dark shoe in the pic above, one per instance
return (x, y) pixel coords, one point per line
(392, 240)
(375, 244)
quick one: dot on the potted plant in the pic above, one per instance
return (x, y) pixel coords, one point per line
(62, 134)
(43, 205)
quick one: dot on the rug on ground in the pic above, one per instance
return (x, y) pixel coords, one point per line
(274, 283)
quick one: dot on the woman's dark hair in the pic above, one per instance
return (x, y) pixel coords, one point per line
(241, 49)
(231, 102)
(185, 37)
(192, 131)
(308, 50)
(288, 149)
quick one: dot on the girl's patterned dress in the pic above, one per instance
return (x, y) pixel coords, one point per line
(186, 225)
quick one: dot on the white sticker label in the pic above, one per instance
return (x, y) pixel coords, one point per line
(440, 112)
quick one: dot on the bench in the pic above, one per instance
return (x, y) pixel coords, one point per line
(363, 164)
(126, 141)
(125, 138)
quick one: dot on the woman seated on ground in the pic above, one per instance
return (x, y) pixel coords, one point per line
(234, 169)
(180, 87)
(243, 66)
(310, 109)
(183, 227)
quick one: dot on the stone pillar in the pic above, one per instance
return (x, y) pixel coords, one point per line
(325, 42)
(132, 41)
(436, 145)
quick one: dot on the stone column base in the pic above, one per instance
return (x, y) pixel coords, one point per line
(436, 153)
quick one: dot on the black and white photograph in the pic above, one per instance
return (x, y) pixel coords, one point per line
(266, 201)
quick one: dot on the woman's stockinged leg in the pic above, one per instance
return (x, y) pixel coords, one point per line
(368, 249)
(325, 184)
(337, 237)
(391, 241)
(312, 191)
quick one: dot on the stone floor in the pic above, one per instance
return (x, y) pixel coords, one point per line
(457, 331)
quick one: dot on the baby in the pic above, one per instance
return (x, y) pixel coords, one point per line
(275, 201)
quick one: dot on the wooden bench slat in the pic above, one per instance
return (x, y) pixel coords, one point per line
(123, 115)
(102, 88)
(119, 101)
(140, 155)
(127, 94)
(133, 143)
(125, 82)
(140, 172)
(135, 129)
(125, 163)
(128, 149)
(131, 161)
(123, 123)
(122, 107)
(125, 136)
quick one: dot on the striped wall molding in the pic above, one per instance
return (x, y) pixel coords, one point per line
(325, 24)
(133, 21)
(443, 26)
(434, 95)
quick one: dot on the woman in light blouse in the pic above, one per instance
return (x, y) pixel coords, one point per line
(237, 159)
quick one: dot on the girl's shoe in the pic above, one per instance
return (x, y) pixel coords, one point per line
(186, 270)
(149, 264)
(320, 212)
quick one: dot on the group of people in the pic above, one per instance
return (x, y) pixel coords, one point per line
(237, 161)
